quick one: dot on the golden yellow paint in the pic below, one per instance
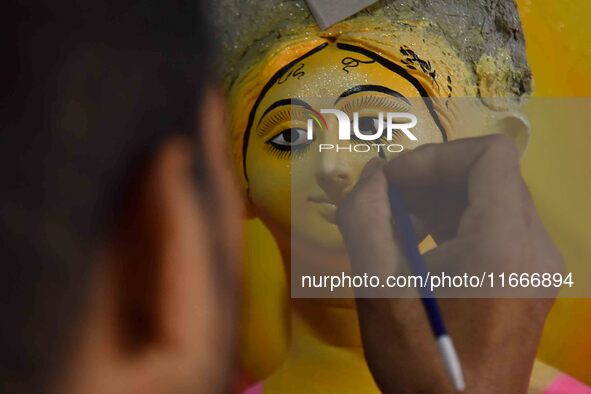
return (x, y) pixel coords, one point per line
(557, 36)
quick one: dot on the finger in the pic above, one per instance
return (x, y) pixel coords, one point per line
(481, 164)
(450, 162)
(363, 217)
(439, 208)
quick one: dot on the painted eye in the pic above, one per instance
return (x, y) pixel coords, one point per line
(290, 139)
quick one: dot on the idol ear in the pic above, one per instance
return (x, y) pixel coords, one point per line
(515, 125)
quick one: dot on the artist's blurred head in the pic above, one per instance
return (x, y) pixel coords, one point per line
(117, 240)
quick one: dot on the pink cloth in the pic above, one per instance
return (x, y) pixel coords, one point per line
(562, 384)
(254, 389)
(565, 384)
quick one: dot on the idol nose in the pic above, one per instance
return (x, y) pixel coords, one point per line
(333, 172)
(334, 182)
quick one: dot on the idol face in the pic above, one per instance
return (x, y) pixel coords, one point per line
(293, 184)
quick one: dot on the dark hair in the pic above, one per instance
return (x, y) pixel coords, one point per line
(89, 90)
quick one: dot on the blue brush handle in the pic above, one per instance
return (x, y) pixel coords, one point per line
(410, 248)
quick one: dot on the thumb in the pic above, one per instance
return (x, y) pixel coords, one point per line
(364, 220)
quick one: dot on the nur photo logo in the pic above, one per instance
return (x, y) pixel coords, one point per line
(367, 129)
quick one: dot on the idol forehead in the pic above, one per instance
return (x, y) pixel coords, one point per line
(294, 70)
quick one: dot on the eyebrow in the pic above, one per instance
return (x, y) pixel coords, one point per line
(283, 102)
(372, 88)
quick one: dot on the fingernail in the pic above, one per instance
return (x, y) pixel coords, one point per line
(370, 168)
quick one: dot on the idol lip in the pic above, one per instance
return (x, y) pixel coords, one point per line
(321, 200)
(327, 208)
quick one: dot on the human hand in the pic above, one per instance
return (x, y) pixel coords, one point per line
(470, 197)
